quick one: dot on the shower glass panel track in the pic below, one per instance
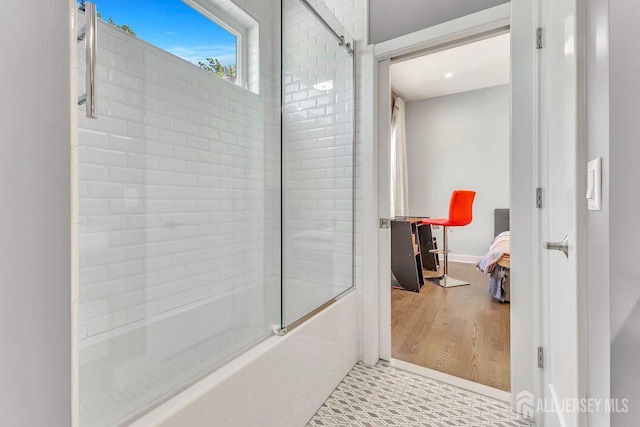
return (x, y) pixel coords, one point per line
(318, 119)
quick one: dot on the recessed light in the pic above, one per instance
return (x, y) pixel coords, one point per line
(328, 85)
(448, 75)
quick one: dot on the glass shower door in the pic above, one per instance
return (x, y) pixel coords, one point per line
(178, 229)
(317, 158)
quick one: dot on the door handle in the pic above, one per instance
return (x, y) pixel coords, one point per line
(89, 36)
(558, 246)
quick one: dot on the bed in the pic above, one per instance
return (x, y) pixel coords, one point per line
(497, 262)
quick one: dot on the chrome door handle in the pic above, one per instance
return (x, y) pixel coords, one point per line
(558, 246)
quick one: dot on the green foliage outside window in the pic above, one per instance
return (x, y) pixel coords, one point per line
(123, 27)
(214, 66)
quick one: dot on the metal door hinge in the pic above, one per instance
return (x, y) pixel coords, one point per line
(539, 198)
(385, 223)
(539, 38)
(540, 357)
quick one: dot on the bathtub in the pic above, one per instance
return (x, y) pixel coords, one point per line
(280, 382)
(130, 369)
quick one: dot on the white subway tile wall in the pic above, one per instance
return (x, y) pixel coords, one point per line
(318, 143)
(178, 181)
(179, 216)
(352, 15)
(179, 200)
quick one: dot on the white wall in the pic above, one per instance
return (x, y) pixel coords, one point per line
(624, 176)
(391, 19)
(35, 215)
(597, 222)
(460, 141)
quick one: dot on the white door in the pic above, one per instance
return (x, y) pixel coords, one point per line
(559, 124)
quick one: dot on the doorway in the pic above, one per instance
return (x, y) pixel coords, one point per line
(532, 353)
(523, 139)
(450, 131)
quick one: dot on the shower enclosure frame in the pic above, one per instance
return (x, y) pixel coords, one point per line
(282, 328)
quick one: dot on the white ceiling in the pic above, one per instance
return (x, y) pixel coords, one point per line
(477, 65)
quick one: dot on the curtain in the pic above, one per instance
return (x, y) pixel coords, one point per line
(399, 174)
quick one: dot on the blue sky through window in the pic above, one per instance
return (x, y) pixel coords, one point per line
(173, 26)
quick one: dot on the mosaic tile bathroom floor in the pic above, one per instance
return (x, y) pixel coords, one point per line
(372, 396)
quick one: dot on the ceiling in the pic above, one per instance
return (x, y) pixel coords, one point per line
(477, 65)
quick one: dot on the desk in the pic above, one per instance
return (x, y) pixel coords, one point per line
(411, 242)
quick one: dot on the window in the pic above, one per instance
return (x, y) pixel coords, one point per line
(215, 35)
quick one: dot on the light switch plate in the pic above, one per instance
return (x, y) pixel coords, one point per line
(594, 184)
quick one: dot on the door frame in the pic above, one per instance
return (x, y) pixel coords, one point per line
(526, 316)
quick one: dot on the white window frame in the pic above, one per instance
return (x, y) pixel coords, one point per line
(236, 21)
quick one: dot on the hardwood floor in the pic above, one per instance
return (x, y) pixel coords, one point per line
(460, 331)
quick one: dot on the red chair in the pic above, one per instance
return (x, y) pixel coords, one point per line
(460, 214)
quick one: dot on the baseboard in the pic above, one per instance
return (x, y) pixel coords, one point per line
(482, 389)
(471, 259)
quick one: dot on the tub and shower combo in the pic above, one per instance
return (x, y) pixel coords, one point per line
(215, 222)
